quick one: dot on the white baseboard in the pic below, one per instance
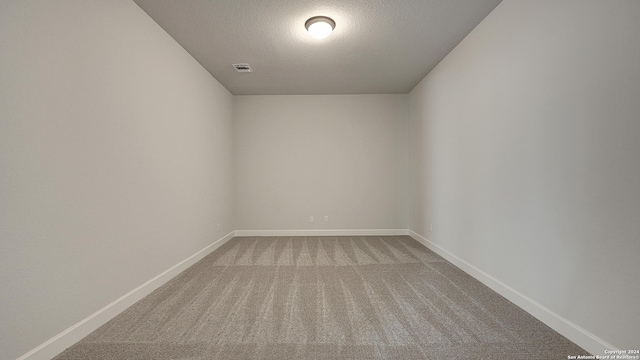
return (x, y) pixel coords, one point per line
(568, 329)
(75, 333)
(324, 232)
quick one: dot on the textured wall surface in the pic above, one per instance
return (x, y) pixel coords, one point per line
(116, 158)
(344, 156)
(115, 161)
(525, 157)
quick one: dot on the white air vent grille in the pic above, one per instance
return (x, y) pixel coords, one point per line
(244, 68)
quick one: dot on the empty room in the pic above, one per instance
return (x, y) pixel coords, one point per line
(339, 179)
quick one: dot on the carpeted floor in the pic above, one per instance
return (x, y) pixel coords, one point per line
(323, 298)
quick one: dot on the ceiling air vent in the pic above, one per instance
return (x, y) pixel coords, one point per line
(243, 67)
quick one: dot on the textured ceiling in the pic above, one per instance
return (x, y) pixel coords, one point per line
(378, 46)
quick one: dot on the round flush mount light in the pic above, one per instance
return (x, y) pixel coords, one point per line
(320, 26)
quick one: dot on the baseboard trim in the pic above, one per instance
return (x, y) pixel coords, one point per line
(324, 232)
(573, 332)
(75, 333)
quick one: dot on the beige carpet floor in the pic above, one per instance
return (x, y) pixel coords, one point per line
(323, 298)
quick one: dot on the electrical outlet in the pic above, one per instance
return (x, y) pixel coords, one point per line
(311, 218)
(430, 227)
(326, 218)
(218, 226)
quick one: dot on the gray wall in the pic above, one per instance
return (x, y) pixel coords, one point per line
(115, 161)
(344, 156)
(525, 157)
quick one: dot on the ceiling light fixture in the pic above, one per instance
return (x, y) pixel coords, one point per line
(320, 26)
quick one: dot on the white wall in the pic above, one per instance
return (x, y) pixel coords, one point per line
(115, 161)
(525, 158)
(344, 156)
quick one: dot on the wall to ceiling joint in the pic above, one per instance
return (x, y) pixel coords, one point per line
(118, 153)
(115, 161)
(524, 158)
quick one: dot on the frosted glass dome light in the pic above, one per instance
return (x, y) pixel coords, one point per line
(320, 26)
